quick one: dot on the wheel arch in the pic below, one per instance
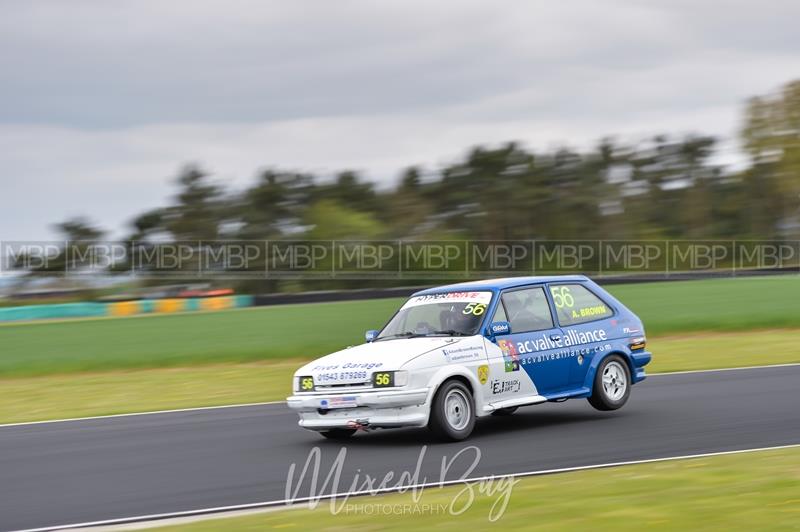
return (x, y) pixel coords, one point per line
(590, 375)
(463, 375)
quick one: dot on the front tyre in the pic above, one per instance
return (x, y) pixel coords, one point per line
(612, 384)
(338, 434)
(452, 412)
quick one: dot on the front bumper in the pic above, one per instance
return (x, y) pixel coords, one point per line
(389, 408)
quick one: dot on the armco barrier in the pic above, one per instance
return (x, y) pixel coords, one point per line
(122, 308)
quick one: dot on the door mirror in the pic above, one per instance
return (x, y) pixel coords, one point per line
(370, 335)
(499, 328)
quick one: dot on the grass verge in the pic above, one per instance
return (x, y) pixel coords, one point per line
(120, 392)
(751, 491)
(310, 330)
(276, 333)
(116, 392)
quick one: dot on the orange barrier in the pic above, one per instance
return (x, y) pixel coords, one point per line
(167, 306)
(217, 303)
(124, 308)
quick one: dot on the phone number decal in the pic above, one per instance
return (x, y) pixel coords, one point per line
(342, 376)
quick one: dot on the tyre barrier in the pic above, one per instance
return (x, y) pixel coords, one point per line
(123, 308)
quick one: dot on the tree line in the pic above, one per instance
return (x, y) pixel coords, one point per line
(660, 188)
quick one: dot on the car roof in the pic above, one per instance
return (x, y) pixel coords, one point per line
(500, 284)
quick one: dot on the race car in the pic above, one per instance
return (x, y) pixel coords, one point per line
(455, 353)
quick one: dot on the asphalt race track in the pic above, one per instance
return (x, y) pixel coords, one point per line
(89, 470)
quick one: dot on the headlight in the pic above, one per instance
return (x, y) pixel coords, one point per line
(400, 378)
(389, 379)
(304, 383)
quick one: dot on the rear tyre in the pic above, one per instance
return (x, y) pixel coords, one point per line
(338, 434)
(505, 411)
(612, 384)
(452, 412)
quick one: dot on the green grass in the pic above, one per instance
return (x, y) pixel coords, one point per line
(711, 350)
(116, 392)
(752, 491)
(307, 331)
(714, 305)
(266, 333)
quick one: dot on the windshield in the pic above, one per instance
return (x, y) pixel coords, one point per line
(445, 314)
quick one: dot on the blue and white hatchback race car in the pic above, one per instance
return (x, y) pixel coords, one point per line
(455, 353)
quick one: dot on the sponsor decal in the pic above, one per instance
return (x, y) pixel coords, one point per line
(565, 353)
(463, 354)
(478, 297)
(345, 401)
(483, 373)
(584, 337)
(570, 338)
(510, 355)
(347, 365)
(347, 372)
(341, 376)
(505, 386)
(500, 327)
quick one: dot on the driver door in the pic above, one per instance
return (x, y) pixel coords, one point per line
(534, 347)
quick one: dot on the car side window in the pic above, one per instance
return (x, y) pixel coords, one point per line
(575, 304)
(500, 313)
(527, 310)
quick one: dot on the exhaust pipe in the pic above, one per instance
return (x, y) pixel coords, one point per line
(358, 424)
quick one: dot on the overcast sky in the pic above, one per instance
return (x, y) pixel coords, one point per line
(101, 103)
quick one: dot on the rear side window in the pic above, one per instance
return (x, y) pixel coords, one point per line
(527, 310)
(576, 304)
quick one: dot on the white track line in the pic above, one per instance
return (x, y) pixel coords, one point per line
(300, 500)
(242, 405)
(154, 412)
(766, 366)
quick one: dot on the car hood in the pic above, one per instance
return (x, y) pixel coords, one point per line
(383, 355)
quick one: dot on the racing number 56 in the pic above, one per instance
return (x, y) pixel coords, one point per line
(382, 380)
(561, 296)
(476, 309)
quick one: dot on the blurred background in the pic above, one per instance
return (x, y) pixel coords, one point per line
(145, 149)
(147, 146)
(465, 121)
